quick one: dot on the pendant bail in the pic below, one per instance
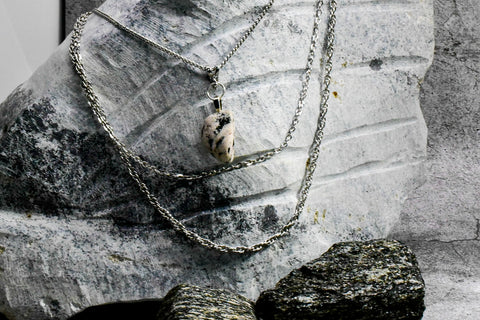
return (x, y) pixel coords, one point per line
(218, 104)
(213, 74)
(215, 90)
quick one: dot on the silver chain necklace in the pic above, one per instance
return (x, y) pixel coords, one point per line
(219, 127)
(94, 101)
(129, 158)
(212, 71)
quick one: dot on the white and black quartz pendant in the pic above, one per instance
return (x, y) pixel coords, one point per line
(218, 135)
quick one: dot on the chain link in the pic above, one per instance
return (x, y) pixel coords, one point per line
(128, 158)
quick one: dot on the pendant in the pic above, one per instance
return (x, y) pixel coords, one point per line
(219, 128)
(218, 135)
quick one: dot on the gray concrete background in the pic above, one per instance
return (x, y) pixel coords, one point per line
(441, 219)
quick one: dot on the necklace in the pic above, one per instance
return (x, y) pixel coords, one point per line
(215, 96)
(129, 159)
(218, 130)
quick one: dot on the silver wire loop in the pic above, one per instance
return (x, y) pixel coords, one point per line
(212, 91)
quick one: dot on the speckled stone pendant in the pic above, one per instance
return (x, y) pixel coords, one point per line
(218, 135)
(219, 128)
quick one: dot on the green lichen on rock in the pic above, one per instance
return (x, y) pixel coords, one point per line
(194, 303)
(377, 279)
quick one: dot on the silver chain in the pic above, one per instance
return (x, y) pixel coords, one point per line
(94, 101)
(210, 70)
(314, 152)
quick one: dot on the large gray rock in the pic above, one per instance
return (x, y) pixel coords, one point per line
(372, 280)
(74, 223)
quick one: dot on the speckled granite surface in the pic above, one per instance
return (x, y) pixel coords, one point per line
(186, 302)
(367, 280)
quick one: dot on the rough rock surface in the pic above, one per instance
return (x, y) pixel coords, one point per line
(181, 303)
(190, 302)
(72, 221)
(377, 279)
(73, 9)
(441, 219)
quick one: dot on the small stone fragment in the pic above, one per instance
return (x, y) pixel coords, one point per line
(190, 302)
(218, 135)
(377, 279)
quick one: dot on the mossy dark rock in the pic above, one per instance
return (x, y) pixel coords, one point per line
(377, 279)
(182, 302)
(191, 302)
